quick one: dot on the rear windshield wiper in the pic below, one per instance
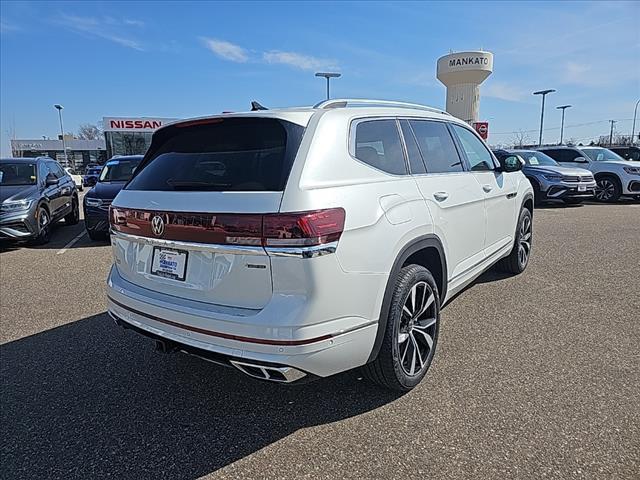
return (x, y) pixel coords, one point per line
(179, 185)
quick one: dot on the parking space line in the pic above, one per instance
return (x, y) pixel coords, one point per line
(71, 243)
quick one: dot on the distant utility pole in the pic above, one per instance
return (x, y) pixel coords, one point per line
(611, 132)
(328, 75)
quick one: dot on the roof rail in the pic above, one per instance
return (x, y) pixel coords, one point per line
(363, 102)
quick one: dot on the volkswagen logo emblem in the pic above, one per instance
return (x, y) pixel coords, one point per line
(157, 225)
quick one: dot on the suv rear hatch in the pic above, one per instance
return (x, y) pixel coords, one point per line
(190, 222)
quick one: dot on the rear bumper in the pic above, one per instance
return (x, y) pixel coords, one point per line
(244, 335)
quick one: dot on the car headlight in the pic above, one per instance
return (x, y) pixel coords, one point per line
(552, 176)
(92, 202)
(15, 206)
(632, 170)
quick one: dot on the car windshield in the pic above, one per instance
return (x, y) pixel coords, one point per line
(94, 171)
(18, 174)
(534, 159)
(118, 170)
(601, 154)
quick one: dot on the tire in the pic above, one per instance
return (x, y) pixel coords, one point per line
(44, 227)
(572, 201)
(516, 262)
(409, 342)
(73, 217)
(608, 189)
(97, 236)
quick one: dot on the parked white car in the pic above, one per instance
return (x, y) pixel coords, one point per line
(614, 175)
(303, 242)
(77, 179)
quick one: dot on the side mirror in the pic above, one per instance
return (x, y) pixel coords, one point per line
(51, 180)
(510, 164)
(580, 160)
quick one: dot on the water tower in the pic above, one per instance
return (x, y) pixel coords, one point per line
(462, 73)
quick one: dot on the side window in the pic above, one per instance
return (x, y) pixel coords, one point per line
(437, 147)
(416, 165)
(56, 169)
(555, 154)
(477, 154)
(563, 154)
(378, 144)
(43, 171)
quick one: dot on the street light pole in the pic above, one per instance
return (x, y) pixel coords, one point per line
(611, 132)
(328, 75)
(64, 145)
(563, 108)
(633, 129)
(544, 93)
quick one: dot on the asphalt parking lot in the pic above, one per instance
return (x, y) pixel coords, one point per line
(536, 376)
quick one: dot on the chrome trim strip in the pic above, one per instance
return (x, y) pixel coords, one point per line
(302, 252)
(206, 247)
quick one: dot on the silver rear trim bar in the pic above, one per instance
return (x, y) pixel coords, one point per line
(299, 252)
(266, 372)
(363, 102)
(205, 247)
(302, 252)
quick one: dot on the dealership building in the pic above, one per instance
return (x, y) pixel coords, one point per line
(130, 136)
(122, 136)
(80, 153)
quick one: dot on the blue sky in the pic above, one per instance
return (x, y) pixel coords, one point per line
(189, 59)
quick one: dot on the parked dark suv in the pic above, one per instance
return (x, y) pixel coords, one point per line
(34, 194)
(628, 153)
(115, 174)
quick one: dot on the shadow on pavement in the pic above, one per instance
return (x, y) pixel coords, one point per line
(87, 400)
(61, 234)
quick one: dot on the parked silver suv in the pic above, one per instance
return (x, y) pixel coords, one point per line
(303, 242)
(34, 194)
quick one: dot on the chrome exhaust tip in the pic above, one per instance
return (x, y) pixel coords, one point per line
(270, 373)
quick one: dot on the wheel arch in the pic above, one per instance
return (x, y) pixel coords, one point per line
(611, 175)
(426, 251)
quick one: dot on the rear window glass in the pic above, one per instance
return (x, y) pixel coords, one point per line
(231, 154)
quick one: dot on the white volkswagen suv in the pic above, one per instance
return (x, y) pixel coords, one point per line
(299, 243)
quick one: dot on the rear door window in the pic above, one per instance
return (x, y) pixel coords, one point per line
(378, 144)
(221, 154)
(437, 147)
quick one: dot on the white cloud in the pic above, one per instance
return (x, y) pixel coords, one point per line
(106, 28)
(503, 91)
(6, 27)
(297, 60)
(226, 50)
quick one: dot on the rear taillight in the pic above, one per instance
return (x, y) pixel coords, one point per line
(302, 229)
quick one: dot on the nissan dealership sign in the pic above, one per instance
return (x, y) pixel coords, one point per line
(142, 124)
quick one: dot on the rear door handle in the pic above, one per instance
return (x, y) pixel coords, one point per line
(441, 196)
(487, 188)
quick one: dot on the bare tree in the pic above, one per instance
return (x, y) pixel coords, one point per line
(89, 131)
(520, 139)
